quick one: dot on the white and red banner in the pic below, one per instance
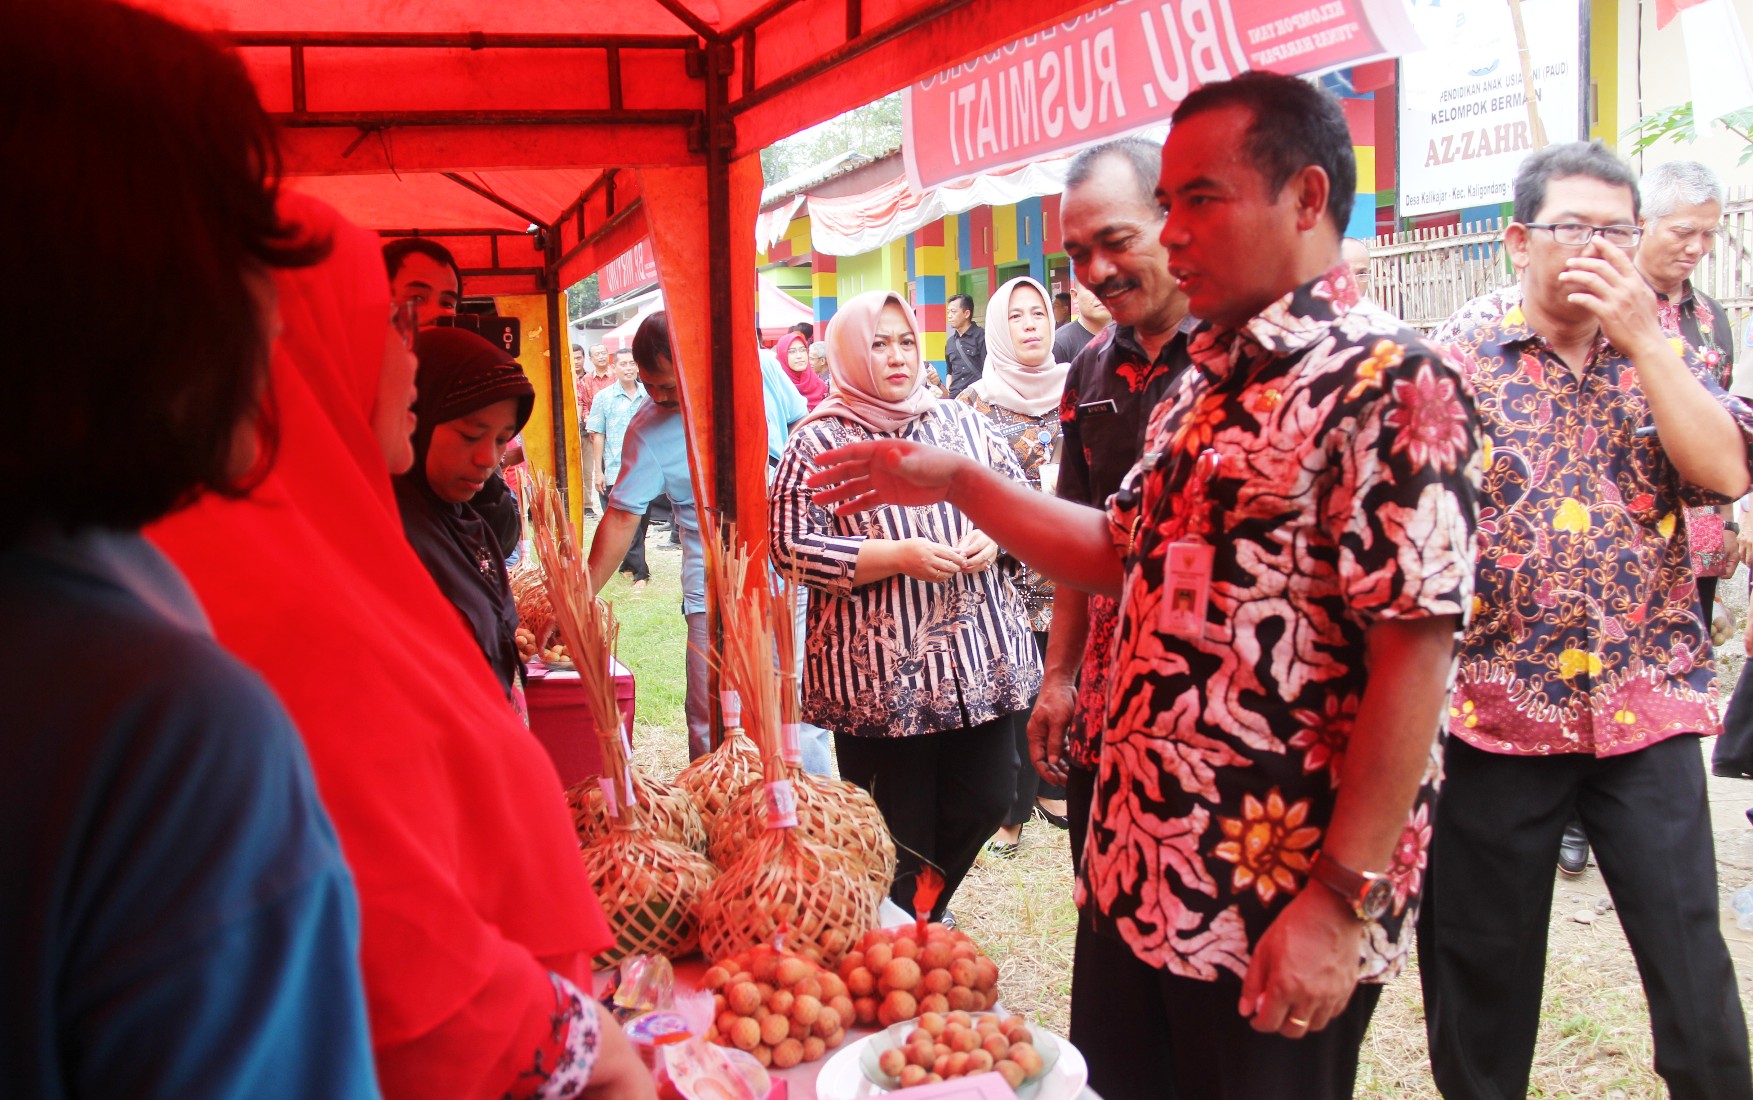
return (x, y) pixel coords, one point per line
(1123, 66)
(1717, 56)
(631, 270)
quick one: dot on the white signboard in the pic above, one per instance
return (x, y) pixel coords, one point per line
(1463, 112)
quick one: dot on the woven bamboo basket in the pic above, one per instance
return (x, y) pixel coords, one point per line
(823, 898)
(668, 812)
(830, 812)
(714, 779)
(651, 889)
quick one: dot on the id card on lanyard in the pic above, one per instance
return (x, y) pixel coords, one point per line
(1187, 563)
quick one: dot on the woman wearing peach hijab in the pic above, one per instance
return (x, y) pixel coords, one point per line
(478, 922)
(1019, 393)
(917, 651)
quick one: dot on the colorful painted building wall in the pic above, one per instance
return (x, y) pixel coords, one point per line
(975, 251)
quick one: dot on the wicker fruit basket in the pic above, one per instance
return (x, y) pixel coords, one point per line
(713, 780)
(667, 812)
(650, 888)
(830, 812)
(820, 898)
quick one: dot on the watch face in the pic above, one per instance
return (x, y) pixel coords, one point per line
(1376, 898)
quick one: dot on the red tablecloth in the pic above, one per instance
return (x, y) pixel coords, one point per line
(561, 720)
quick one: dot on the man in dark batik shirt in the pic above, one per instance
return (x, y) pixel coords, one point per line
(1292, 557)
(1111, 223)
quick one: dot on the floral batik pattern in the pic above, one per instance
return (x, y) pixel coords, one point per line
(1691, 320)
(560, 1067)
(1328, 457)
(1586, 635)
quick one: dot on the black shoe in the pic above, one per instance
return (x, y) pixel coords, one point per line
(1573, 850)
(1728, 771)
(1058, 821)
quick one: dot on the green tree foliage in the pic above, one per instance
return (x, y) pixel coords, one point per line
(582, 297)
(1676, 124)
(872, 129)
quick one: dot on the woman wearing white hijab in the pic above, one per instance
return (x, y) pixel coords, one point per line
(917, 653)
(1019, 395)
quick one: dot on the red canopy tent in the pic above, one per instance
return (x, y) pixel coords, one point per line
(540, 139)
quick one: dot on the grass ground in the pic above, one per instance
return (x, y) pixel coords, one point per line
(1594, 1039)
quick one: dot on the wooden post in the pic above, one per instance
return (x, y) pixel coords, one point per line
(1536, 129)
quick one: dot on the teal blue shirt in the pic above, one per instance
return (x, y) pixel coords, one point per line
(784, 405)
(654, 459)
(610, 412)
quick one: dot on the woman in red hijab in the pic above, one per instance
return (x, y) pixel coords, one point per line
(478, 921)
(793, 350)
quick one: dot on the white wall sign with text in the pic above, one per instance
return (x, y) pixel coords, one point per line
(1463, 112)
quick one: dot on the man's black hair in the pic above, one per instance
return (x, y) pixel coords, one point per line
(966, 301)
(1590, 159)
(652, 340)
(396, 252)
(1063, 298)
(804, 329)
(1295, 125)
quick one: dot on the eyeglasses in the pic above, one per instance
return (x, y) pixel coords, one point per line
(1575, 234)
(405, 316)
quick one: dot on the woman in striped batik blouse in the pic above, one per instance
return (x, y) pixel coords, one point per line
(919, 653)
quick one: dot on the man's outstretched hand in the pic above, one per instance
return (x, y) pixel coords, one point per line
(865, 475)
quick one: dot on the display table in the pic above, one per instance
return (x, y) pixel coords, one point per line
(561, 720)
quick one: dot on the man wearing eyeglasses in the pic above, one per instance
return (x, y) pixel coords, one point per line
(1585, 683)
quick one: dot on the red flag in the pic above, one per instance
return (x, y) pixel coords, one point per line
(1666, 10)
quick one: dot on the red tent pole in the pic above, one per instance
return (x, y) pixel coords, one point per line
(559, 361)
(720, 138)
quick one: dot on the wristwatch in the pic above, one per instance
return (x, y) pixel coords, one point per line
(1367, 892)
(1731, 525)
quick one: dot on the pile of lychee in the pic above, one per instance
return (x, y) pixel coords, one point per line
(781, 1008)
(958, 1044)
(896, 974)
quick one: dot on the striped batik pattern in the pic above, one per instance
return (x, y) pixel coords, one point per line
(900, 656)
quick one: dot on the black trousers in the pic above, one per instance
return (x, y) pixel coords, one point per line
(1488, 900)
(1080, 795)
(942, 794)
(1029, 785)
(1150, 1035)
(1734, 749)
(1707, 600)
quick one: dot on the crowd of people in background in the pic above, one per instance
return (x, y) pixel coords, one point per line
(1325, 639)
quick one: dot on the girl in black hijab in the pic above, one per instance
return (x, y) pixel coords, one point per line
(473, 398)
